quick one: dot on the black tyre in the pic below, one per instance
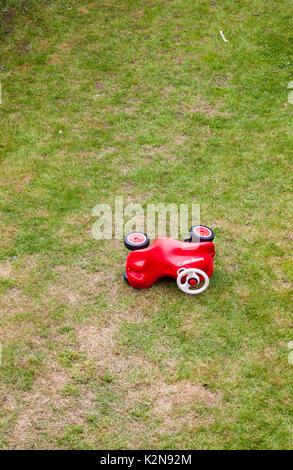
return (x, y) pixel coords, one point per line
(125, 277)
(136, 241)
(201, 233)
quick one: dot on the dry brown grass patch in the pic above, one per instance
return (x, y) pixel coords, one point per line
(168, 396)
(45, 404)
(170, 399)
(5, 269)
(99, 343)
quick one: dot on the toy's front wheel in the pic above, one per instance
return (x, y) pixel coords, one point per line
(136, 241)
(200, 233)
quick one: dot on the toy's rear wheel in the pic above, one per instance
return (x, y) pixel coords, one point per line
(201, 233)
(136, 241)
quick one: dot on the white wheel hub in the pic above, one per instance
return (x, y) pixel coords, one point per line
(190, 274)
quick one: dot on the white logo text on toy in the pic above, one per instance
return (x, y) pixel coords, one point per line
(191, 260)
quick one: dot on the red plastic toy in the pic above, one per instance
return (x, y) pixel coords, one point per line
(189, 262)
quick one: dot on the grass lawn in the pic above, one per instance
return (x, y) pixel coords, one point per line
(153, 106)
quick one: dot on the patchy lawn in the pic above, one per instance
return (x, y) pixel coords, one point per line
(144, 99)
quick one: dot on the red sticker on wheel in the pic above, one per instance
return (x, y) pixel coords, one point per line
(202, 231)
(136, 238)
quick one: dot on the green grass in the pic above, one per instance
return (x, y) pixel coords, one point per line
(153, 106)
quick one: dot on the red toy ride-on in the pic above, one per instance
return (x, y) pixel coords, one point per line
(189, 262)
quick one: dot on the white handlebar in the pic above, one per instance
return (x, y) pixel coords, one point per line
(191, 273)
